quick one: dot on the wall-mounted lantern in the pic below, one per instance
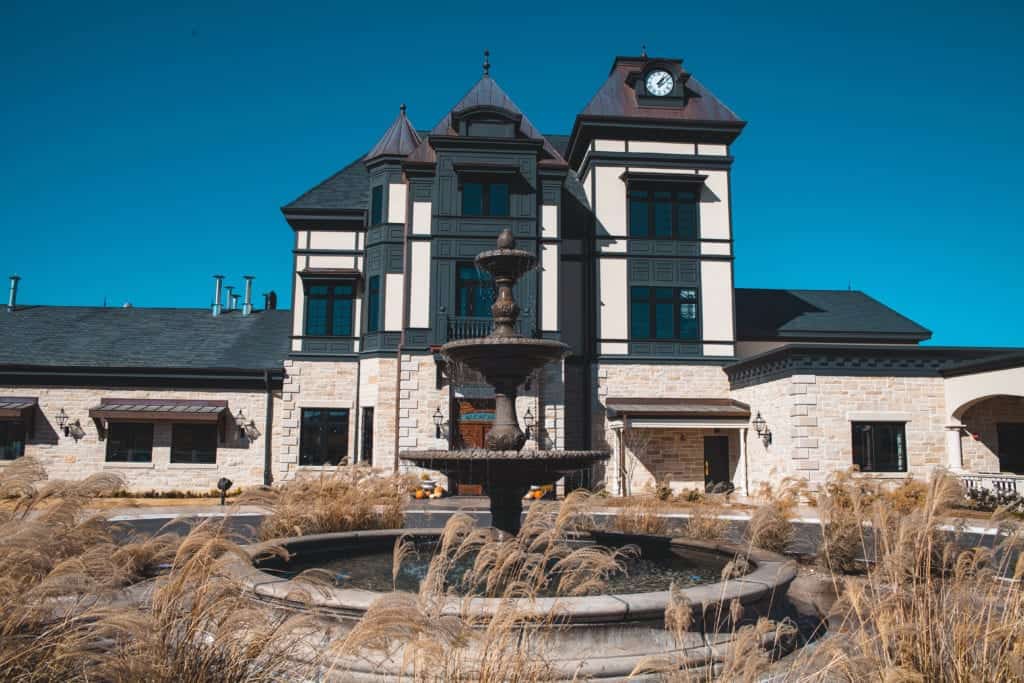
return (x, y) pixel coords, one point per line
(529, 421)
(761, 427)
(438, 421)
(71, 429)
(246, 430)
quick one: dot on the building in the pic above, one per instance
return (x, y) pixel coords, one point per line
(685, 378)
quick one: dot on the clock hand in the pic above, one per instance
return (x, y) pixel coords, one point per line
(663, 80)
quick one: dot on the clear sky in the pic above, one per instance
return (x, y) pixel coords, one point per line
(145, 149)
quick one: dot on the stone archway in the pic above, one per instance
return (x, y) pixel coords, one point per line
(993, 434)
(978, 400)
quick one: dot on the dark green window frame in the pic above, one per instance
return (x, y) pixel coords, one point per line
(663, 212)
(12, 439)
(329, 308)
(373, 304)
(474, 290)
(880, 446)
(130, 442)
(323, 436)
(664, 313)
(485, 198)
(377, 205)
(194, 443)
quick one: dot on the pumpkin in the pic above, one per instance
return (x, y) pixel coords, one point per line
(420, 494)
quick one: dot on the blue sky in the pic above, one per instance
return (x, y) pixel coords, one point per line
(145, 149)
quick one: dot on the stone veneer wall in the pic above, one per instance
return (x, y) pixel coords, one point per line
(811, 416)
(240, 460)
(674, 457)
(982, 454)
(638, 380)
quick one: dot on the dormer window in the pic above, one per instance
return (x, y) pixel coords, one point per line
(486, 121)
(484, 198)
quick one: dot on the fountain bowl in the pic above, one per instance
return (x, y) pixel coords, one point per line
(598, 637)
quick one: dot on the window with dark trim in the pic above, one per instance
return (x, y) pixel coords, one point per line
(12, 439)
(130, 442)
(663, 313)
(324, 436)
(663, 212)
(474, 290)
(373, 303)
(329, 308)
(880, 446)
(377, 205)
(194, 443)
(484, 199)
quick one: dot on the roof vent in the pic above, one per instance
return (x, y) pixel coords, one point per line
(231, 298)
(219, 279)
(270, 301)
(247, 305)
(12, 299)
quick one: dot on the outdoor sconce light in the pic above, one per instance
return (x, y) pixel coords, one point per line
(246, 430)
(62, 421)
(528, 420)
(761, 427)
(438, 421)
(72, 429)
(223, 484)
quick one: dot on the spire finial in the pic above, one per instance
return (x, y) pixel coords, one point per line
(643, 51)
(402, 109)
(487, 62)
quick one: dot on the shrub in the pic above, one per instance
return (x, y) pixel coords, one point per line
(770, 525)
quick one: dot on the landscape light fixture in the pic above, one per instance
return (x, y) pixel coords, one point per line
(223, 484)
(761, 427)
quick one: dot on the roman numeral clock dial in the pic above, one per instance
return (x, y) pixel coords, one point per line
(659, 82)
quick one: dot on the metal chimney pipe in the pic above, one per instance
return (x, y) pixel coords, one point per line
(234, 301)
(231, 297)
(219, 279)
(247, 306)
(265, 298)
(12, 300)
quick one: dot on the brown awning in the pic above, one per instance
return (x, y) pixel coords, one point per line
(695, 408)
(330, 274)
(14, 408)
(158, 410)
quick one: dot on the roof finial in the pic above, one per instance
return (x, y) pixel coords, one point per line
(643, 51)
(402, 109)
(487, 62)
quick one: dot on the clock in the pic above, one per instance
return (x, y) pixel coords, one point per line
(659, 82)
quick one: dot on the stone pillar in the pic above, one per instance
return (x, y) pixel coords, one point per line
(742, 466)
(954, 447)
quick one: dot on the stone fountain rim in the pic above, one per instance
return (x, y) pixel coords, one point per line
(506, 253)
(517, 340)
(772, 573)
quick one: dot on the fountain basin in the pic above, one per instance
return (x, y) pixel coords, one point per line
(599, 637)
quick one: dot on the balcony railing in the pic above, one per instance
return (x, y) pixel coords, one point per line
(997, 483)
(471, 327)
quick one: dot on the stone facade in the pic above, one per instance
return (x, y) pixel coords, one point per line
(981, 445)
(674, 457)
(239, 459)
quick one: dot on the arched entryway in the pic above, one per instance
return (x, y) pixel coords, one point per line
(993, 434)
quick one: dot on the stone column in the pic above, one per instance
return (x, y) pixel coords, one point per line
(954, 447)
(741, 463)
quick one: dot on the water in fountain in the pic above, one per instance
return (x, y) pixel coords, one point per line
(505, 359)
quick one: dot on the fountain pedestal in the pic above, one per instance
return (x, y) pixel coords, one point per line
(505, 359)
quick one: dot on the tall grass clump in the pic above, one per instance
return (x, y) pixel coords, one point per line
(349, 499)
(771, 526)
(442, 634)
(642, 515)
(705, 522)
(78, 601)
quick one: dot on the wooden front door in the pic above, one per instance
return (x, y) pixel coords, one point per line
(716, 461)
(475, 419)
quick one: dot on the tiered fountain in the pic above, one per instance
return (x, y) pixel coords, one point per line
(505, 359)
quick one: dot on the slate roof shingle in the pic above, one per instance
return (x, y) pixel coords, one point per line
(164, 338)
(792, 314)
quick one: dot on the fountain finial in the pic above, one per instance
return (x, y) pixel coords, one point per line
(506, 240)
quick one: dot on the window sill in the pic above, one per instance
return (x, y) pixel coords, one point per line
(192, 466)
(128, 465)
(882, 475)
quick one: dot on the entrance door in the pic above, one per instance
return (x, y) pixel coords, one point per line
(716, 462)
(475, 419)
(1010, 437)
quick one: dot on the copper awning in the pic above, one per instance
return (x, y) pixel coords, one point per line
(692, 409)
(158, 410)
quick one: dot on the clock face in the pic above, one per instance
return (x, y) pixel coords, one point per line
(660, 82)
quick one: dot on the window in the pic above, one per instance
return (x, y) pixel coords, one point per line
(659, 212)
(474, 290)
(194, 443)
(324, 438)
(880, 446)
(663, 313)
(329, 309)
(373, 304)
(377, 205)
(484, 199)
(367, 449)
(130, 442)
(12, 439)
